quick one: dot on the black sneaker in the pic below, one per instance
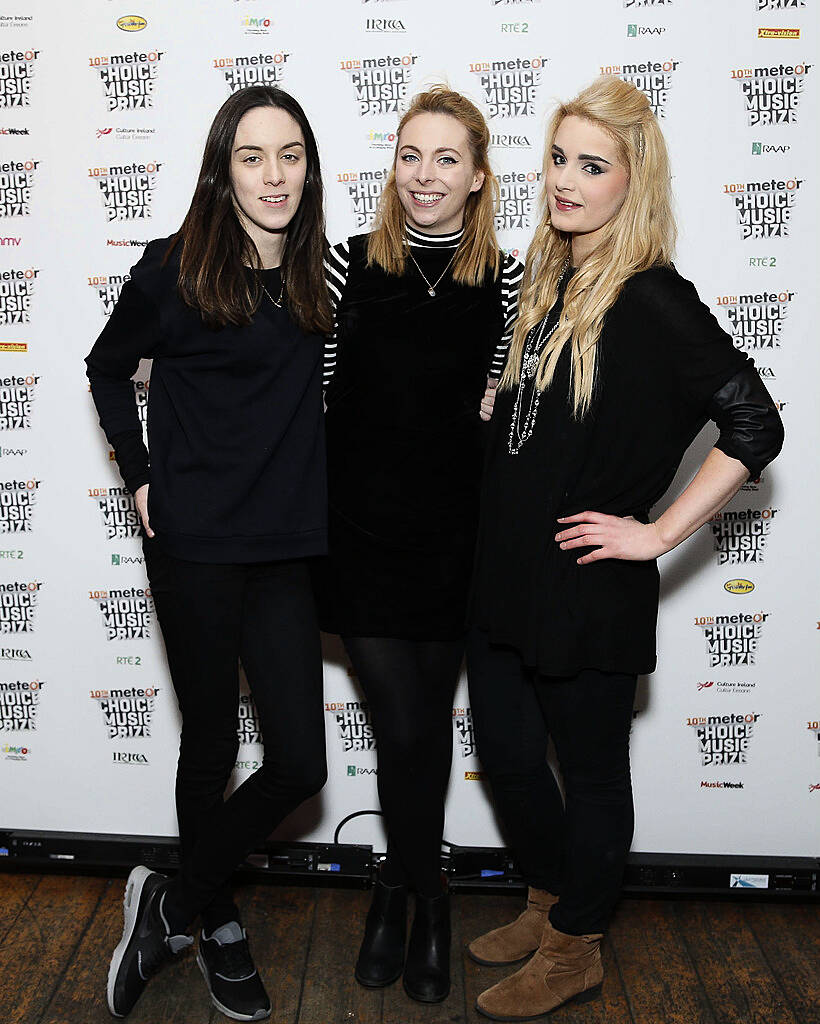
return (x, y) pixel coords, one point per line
(146, 943)
(230, 973)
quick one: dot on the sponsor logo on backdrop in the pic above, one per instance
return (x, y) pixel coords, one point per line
(258, 69)
(753, 486)
(129, 757)
(108, 288)
(17, 347)
(10, 453)
(127, 559)
(738, 587)
(724, 739)
(16, 183)
(503, 140)
(140, 243)
(740, 536)
(14, 653)
(764, 208)
(515, 28)
(726, 686)
(354, 770)
(15, 753)
(513, 3)
(118, 509)
(384, 25)
(635, 31)
(779, 5)
(778, 33)
(128, 79)
(363, 189)
(127, 134)
(355, 728)
(648, 3)
(127, 713)
(380, 84)
(510, 86)
(249, 728)
(126, 614)
(772, 94)
(721, 785)
(463, 722)
(18, 605)
(16, 20)
(10, 241)
(127, 189)
(815, 728)
(14, 131)
(517, 193)
(474, 776)
(762, 149)
(653, 77)
(19, 704)
(256, 26)
(16, 290)
(814, 787)
(17, 501)
(732, 639)
(382, 140)
(16, 396)
(756, 319)
(16, 72)
(132, 23)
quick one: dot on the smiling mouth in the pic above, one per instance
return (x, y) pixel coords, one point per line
(566, 204)
(274, 200)
(427, 198)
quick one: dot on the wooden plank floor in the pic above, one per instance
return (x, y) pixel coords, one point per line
(666, 961)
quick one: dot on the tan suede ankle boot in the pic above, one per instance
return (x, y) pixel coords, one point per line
(515, 941)
(563, 967)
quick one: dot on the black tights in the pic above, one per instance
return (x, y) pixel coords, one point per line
(409, 686)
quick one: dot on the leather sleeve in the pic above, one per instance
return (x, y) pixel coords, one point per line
(751, 429)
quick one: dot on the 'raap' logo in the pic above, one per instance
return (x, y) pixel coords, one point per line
(118, 509)
(654, 78)
(380, 84)
(764, 208)
(128, 79)
(635, 31)
(772, 94)
(740, 536)
(18, 499)
(127, 713)
(16, 290)
(517, 193)
(726, 686)
(19, 704)
(126, 614)
(732, 639)
(108, 288)
(127, 189)
(18, 604)
(354, 724)
(463, 723)
(16, 72)
(16, 183)
(724, 739)
(16, 398)
(259, 69)
(510, 86)
(363, 189)
(756, 319)
(763, 149)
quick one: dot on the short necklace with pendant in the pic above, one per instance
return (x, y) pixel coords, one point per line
(431, 288)
(276, 302)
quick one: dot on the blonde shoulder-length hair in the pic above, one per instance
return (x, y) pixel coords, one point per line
(478, 251)
(641, 235)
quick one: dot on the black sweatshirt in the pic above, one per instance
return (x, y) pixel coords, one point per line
(235, 431)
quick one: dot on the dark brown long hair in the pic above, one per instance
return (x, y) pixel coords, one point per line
(216, 248)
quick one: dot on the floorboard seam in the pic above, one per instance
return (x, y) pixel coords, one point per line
(23, 906)
(627, 995)
(685, 942)
(775, 974)
(308, 945)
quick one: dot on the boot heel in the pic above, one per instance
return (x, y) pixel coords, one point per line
(589, 994)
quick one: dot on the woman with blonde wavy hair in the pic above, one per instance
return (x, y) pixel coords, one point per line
(614, 368)
(424, 310)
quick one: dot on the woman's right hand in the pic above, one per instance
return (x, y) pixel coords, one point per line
(141, 499)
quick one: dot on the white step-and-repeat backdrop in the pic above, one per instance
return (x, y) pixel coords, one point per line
(104, 108)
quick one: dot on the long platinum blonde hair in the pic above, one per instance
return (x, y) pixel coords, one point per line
(639, 236)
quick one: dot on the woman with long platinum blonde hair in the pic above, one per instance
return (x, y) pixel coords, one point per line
(614, 368)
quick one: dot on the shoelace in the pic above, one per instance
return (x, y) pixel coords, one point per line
(235, 959)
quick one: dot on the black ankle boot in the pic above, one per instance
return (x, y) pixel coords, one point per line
(427, 970)
(381, 957)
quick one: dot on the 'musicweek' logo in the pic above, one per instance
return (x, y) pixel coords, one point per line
(259, 69)
(16, 73)
(118, 510)
(380, 83)
(249, 728)
(18, 604)
(756, 320)
(764, 208)
(741, 536)
(127, 190)
(463, 722)
(732, 639)
(654, 78)
(364, 189)
(772, 94)
(16, 396)
(108, 288)
(16, 290)
(517, 193)
(724, 739)
(17, 501)
(16, 182)
(19, 703)
(510, 86)
(127, 713)
(126, 614)
(128, 79)
(353, 721)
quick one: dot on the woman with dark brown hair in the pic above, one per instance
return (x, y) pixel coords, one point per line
(232, 309)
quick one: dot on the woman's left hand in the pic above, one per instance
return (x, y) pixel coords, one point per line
(611, 536)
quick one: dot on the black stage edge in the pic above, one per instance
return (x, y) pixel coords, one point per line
(468, 868)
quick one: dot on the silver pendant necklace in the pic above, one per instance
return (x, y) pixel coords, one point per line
(276, 302)
(431, 288)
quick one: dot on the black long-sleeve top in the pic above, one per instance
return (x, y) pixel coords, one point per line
(235, 428)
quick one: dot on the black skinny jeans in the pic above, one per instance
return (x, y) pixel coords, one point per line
(574, 848)
(211, 617)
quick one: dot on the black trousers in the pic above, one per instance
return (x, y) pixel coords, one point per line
(212, 617)
(574, 847)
